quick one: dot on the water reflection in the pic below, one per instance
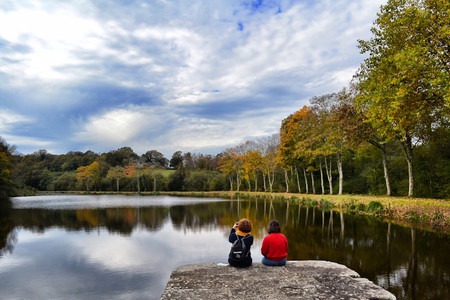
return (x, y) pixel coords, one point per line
(74, 249)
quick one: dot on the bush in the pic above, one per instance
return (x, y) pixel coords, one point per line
(375, 207)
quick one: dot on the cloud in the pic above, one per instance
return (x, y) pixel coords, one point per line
(169, 75)
(120, 126)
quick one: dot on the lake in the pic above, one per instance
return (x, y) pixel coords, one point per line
(125, 247)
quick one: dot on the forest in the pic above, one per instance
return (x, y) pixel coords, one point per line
(386, 133)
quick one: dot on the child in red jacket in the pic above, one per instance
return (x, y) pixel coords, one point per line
(275, 246)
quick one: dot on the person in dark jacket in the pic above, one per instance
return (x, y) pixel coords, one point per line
(275, 246)
(241, 230)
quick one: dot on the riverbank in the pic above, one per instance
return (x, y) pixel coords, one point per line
(427, 214)
(309, 279)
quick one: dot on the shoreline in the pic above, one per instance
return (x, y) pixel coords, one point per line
(422, 213)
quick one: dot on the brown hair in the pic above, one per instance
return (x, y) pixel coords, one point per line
(274, 227)
(245, 225)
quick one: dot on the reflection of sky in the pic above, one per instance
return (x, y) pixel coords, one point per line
(78, 264)
(103, 201)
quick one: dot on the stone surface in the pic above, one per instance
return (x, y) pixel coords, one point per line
(297, 280)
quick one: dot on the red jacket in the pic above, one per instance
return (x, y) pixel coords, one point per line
(275, 246)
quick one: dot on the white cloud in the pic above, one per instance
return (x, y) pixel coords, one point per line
(54, 39)
(9, 119)
(120, 126)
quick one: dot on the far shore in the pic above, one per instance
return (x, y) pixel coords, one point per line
(428, 214)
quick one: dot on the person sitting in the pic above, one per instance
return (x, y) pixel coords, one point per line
(241, 230)
(275, 246)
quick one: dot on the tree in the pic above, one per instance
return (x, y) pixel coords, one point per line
(134, 171)
(116, 173)
(177, 160)
(6, 168)
(404, 83)
(155, 159)
(89, 175)
(121, 157)
(270, 145)
(357, 130)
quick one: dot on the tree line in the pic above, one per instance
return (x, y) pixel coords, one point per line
(386, 133)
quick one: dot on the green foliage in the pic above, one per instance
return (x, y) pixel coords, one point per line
(375, 207)
(6, 169)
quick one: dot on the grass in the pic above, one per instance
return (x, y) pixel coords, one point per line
(429, 214)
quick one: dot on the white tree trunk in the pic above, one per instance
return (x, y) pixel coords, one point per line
(407, 148)
(264, 181)
(341, 173)
(329, 175)
(298, 181)
(312, 183)
(286, 178)
(306, 181)
(238, 181)
(386, 171)
(321, 177)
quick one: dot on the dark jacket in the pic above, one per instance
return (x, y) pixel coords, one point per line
(247, 262)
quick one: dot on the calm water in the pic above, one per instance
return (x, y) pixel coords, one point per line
(125, 247)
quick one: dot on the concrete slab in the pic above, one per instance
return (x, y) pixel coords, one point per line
(309, 279)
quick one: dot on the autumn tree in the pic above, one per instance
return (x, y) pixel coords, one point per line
(330, 136)
(404, 81)
(116, 173)
(227, 165)
(134, 171)
(89, 175)
(6, 167)
(269, 146)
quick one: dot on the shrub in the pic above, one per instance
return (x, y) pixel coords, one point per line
(375, 207)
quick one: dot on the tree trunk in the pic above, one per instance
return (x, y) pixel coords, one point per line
(271, 178)
(341, 173)
(407, 148)
(312, 183)
(298, 181)
(306, 181)
(238, 182)
(117, 183)
(329, 175)
(286, 178)
(256, 182)
(249, 183)
(321, 176)
(264, 181)
(386, 171)
(231, 183)
(138, 184)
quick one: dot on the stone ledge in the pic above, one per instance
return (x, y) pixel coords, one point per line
(310, 279)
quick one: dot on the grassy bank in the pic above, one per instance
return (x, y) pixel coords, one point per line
(428, 214)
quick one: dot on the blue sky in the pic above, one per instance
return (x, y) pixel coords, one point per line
(196, 76)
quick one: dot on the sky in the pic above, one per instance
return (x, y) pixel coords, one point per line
(191, 76)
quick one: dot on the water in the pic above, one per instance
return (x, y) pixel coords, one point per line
(125, 247)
